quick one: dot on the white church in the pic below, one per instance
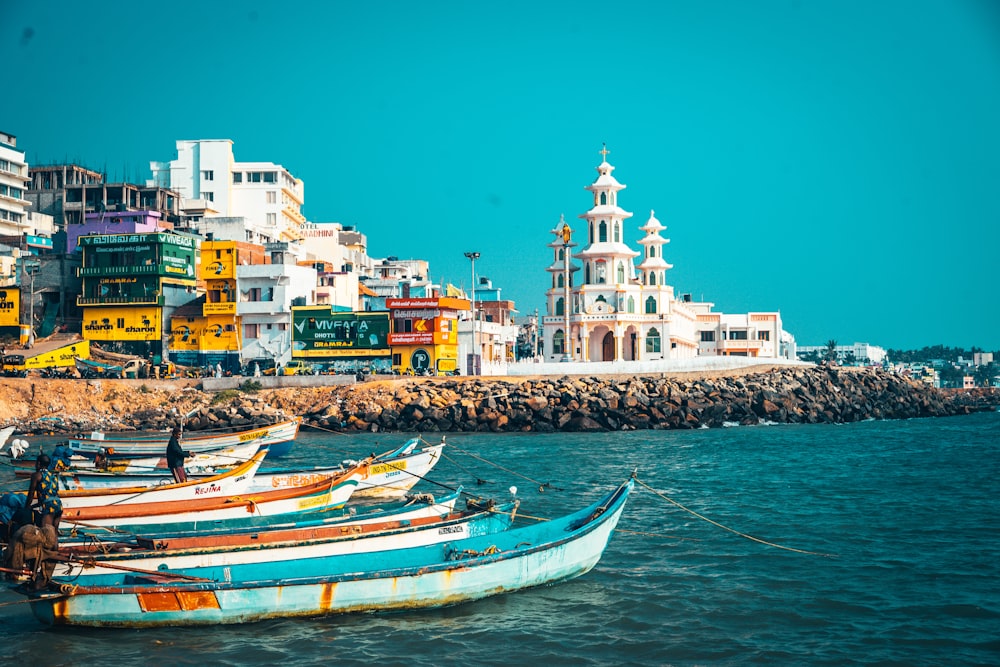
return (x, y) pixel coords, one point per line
(620, 311)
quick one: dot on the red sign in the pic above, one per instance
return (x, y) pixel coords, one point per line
(414, 338)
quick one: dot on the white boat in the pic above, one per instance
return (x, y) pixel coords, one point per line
(233, 481)
(277, 437)
(84, 473)
(282, 546)
(329, 494)
(390, 475)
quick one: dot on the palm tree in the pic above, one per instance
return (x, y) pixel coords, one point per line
(831, 350)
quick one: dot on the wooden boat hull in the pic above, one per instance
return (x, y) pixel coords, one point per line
(417, 508)
(278, 437)
(85, 474)
(429, 576)
(331, 493)
(221, 556)
(233, 481)
(392, 475)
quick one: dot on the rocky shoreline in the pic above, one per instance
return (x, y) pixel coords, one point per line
(540, 404)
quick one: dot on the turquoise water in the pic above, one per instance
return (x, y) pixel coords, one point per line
(899, 521)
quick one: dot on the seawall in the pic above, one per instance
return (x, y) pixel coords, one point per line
(533, 404)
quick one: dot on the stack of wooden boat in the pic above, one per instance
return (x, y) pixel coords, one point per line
(248, 543)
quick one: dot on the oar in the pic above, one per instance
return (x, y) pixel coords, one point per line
(125, 568)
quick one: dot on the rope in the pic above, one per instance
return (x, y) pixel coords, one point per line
(541, 485)
(731, 530)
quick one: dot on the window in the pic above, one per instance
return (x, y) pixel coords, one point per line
(272, 197)
(617, 231)
(237, 177)
(604, 198)
(763, 335)
(560, 307)
(707, 336)
(739, 334)
(557, 342)
(602, 231)
(208, 196)
(630, 305)
(272, 218)
(253, 177)
(650, 305)
(208, 175)
(270, 177)
(653, 341)
(250, 330)
(621, 273)
(601, 268)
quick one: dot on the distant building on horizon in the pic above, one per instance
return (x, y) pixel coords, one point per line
(856, 353)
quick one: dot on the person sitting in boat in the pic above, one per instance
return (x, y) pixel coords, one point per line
(176, 455)
(43, 494)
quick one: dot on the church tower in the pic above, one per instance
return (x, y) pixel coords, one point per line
(619, 312)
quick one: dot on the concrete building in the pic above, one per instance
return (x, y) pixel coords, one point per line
(14, 204)
(861, 354)
(213, 184)
(266, 294)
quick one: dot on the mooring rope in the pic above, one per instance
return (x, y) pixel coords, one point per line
(731, 530)
(541, 485)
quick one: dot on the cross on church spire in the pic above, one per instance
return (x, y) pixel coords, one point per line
(604, 152)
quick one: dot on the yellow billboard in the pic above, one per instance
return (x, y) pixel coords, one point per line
(10, 306)
(122, 324)
(204, 334)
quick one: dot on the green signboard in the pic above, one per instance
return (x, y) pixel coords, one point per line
(318, 328)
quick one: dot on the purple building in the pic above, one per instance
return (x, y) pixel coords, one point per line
(115, 222)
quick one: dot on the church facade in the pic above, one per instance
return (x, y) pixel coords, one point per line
(603, 306)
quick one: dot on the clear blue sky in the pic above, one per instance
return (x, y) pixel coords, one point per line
(836, 161)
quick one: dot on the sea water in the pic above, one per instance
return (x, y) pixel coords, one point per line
(868, 543)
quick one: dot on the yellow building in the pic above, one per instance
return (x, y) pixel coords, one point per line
(424, 335)
(207, 331)
(131, 284)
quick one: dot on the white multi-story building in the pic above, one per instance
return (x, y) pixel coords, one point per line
(266, 195)
(13, 188)
(857, 353)
(267, 293)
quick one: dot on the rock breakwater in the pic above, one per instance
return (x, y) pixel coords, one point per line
(812, 395)
(539, 404)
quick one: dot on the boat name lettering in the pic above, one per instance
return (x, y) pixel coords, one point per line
(391, 468)
(215, 488)
(296, 480)
(246, 437)
(447, 530)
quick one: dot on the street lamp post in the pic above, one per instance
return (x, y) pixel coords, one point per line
(475, 340)
(30, 268)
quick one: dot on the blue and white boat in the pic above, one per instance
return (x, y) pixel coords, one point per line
(434, 575)
(228, 555)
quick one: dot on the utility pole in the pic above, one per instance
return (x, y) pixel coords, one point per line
(475, 340)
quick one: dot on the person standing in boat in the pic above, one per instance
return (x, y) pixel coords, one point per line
(43, 494)
(176, 455)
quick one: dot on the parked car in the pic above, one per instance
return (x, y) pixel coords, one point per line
(265, 365)
(298, 367)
